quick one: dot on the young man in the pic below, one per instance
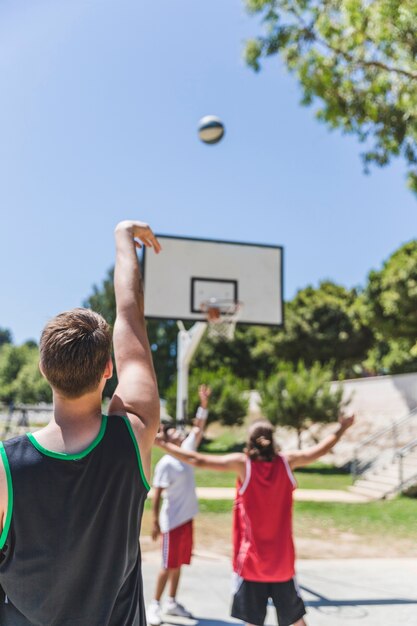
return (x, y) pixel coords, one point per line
(176, 481)
(263, 554)
(72, 493)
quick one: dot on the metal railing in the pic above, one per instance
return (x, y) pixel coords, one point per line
(16, 418)
(381, 448)
(411, 477)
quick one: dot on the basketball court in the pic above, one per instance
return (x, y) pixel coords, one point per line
(366, 592)
(216, 285)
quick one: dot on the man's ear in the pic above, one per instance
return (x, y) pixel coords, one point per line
(108, 372)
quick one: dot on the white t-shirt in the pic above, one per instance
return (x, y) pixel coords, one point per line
(180, 502)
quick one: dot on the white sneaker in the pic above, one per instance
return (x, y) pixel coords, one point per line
(154, 614)
(174, 608)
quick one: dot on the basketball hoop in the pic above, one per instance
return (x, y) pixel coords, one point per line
(222, 317)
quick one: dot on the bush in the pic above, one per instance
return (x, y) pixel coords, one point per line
(20, 378)
(298, 396)
(228, 402)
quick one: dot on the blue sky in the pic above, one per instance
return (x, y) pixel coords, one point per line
(98, 115)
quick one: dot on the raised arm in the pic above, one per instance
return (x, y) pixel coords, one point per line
(204, 393)
(300, 458)
(234, 462)
(137, 392)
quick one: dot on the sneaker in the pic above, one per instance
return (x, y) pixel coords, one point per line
(154, 614)
(173, 607)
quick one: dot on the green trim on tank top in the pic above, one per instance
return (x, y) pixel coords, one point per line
(63, 456)
(8, 520)
(135, 443)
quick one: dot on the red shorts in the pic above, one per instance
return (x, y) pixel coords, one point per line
(177, 546)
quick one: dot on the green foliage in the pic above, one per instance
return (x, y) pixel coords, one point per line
(20, 378)
(356, 60)
(298, 396)
(392, 294)
(327, 324)
(392, 303)
(238, 355)
(30, 387)
(395, 356)
(103, 299)
(5, 336)
(228, 401)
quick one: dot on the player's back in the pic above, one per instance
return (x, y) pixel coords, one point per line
(262, 527)
(70, 553)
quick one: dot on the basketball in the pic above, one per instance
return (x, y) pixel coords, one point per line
(210, 129)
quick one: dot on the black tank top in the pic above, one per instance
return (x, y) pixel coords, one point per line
(71, 555)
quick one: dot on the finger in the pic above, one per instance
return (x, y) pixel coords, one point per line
(152, 242)
(137, 244)
(157, 246)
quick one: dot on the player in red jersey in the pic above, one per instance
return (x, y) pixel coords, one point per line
(263, 547)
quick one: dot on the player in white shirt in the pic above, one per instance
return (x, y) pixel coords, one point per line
(174, 484)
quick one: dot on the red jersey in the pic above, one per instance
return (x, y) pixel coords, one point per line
(262, 522)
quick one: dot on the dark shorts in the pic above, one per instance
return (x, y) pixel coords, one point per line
(251, 600)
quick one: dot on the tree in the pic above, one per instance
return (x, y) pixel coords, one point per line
(103, 299)
(327, 324)
(298, 396)
(20, 378)
(392, 300)
(30, 387)
(238, 355)
(228, 400)
(395, 356)
(356, 60)
(5, 336)
(392, 294)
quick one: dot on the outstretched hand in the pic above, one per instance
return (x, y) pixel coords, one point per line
(346, 421)
(204, 393)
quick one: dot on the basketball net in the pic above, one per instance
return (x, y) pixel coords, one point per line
(222, 317)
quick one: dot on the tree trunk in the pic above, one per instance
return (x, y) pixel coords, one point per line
(299, 431)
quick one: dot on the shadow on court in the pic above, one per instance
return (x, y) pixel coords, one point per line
(201, 622)
(337, 592)
(349, 609)
(370, 591)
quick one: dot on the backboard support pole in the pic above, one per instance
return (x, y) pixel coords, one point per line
(187, 343)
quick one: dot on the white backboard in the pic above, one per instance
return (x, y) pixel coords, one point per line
(190, 271)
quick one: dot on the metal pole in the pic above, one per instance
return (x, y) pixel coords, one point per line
(187, 344)
(395, 438)
(355, 466)
(400, 471)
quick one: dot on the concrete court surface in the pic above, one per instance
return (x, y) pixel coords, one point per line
(349, 592)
